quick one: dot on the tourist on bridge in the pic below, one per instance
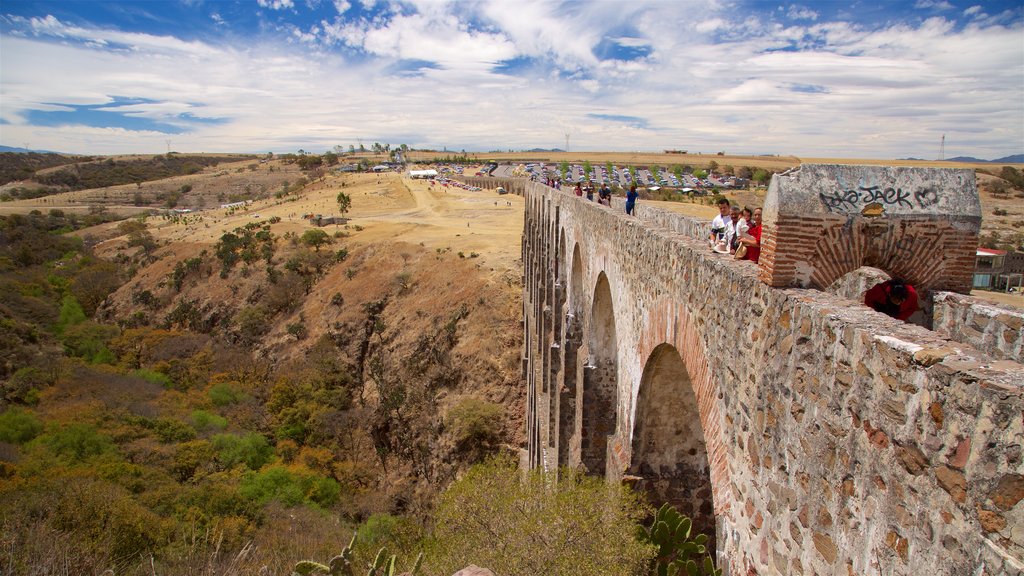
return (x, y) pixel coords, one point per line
(750, 243)
(732, 239)
(893, 297)
(590, 192)
(579, 189)
(631, 197)
(720, 223)
(604, 195)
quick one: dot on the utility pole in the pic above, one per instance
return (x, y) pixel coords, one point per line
(566, 141)
(168, 146)
(942, 148)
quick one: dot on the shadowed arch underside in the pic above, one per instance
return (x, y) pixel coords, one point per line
(600, 375)
(669, 453)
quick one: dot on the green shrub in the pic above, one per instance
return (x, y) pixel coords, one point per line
(19, 426)
(76, 442)
(251, 449)
(578, 525)
(385, 530)
(89, 340)
(289, 487)
(223, 394)
(475, 422)
(205, 421)
(24, 385)
(71, 313)
(153, 377)
(171, 430)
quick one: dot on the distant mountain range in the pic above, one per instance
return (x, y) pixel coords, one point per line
(27, 151)
(1015, 159)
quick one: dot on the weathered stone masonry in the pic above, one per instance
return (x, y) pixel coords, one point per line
(810, 434)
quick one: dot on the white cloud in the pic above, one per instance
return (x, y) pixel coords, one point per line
(972, 10)
(796, 12)
(342, 6)
(933, 5)
(709, 83)
(276, 4)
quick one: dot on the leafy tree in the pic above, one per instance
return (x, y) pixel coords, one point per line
(587, 167)
(315, 238)
(578, 525)
(761, 176)
(344, 203)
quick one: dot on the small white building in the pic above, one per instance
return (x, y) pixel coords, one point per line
(422, 173)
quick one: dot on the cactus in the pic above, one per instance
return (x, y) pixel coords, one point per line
(679, 554)
(341, 565)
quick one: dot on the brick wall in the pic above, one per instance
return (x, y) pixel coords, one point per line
(837, 440)
(824, 221)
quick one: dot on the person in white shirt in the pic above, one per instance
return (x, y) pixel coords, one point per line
(720, 223)
(730, 228)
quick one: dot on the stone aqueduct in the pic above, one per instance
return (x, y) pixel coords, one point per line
(806, 433)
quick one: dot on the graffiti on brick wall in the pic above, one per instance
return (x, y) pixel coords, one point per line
(857, 198)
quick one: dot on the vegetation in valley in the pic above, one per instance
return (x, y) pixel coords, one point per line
(75, 173)
(22, 165)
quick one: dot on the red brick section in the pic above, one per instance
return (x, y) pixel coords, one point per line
(815, 251)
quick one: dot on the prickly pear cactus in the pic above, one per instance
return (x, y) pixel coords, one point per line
(678, 553)
(341, 565)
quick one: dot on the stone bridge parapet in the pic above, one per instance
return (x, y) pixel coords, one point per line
(807, 433)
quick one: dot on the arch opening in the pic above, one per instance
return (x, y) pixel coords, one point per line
(669, 453)
(600, 382)
(567, 400)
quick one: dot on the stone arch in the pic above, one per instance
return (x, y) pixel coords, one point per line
(669, 455)
(568, 404)
(600, 381)
(576, 296)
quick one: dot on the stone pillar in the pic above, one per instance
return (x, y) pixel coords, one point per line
(822, 221)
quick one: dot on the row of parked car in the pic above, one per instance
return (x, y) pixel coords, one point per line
(645, 177)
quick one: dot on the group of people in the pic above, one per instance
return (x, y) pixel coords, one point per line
(737, 232)
(604, 194)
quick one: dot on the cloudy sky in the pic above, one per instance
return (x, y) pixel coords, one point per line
(837, 78)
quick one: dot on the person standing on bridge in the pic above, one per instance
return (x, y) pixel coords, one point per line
(750, 243)
(631, 197)
(893, 297)
(604, 195)
(721, 222)
(579, 189)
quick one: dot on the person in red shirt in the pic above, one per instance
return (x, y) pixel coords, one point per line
(752, 239)
(893, 297)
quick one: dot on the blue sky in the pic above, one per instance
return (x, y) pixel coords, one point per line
(815, 79)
